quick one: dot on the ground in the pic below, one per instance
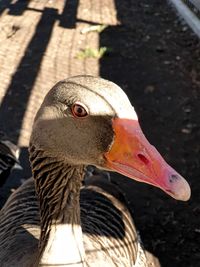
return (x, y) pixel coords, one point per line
(154, 57)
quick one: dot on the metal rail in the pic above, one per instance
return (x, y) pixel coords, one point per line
(190, 11)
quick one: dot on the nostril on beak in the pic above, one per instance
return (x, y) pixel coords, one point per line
(143, 159)
(173, 178)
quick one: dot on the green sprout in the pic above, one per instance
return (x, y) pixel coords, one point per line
(89, 52)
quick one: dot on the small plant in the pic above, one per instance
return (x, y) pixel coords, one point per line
(89, 52)
(94, 28)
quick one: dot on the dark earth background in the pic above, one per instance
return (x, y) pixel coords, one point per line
(155, 58)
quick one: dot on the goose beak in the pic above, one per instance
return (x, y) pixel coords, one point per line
(132, 155)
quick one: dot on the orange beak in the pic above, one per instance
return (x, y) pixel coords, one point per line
(132, 155)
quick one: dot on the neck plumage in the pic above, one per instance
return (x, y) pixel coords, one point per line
(58, 189)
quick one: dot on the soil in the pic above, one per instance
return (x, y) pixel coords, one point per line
(155, 58)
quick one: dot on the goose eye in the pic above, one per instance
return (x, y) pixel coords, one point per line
(79, 111)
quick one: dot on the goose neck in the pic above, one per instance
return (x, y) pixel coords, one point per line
(58, 188)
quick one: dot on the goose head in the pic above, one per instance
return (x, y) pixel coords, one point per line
(90, 121)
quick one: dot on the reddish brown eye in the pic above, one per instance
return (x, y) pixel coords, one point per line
(79, 111)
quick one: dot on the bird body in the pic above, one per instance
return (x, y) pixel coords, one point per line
(106, 223)
(9, 155)
(52, 219)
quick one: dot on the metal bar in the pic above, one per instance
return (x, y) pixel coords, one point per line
(196, 3)
(190, 11)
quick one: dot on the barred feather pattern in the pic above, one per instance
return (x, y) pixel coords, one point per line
(109, 235)
(58, 189)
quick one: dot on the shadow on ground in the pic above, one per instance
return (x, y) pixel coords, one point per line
(15, 101)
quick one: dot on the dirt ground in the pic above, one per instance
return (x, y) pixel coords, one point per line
(155, 58)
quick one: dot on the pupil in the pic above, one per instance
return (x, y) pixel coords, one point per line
(79, 110)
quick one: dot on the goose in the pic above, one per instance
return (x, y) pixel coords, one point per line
(55, 220)
(9, 157)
